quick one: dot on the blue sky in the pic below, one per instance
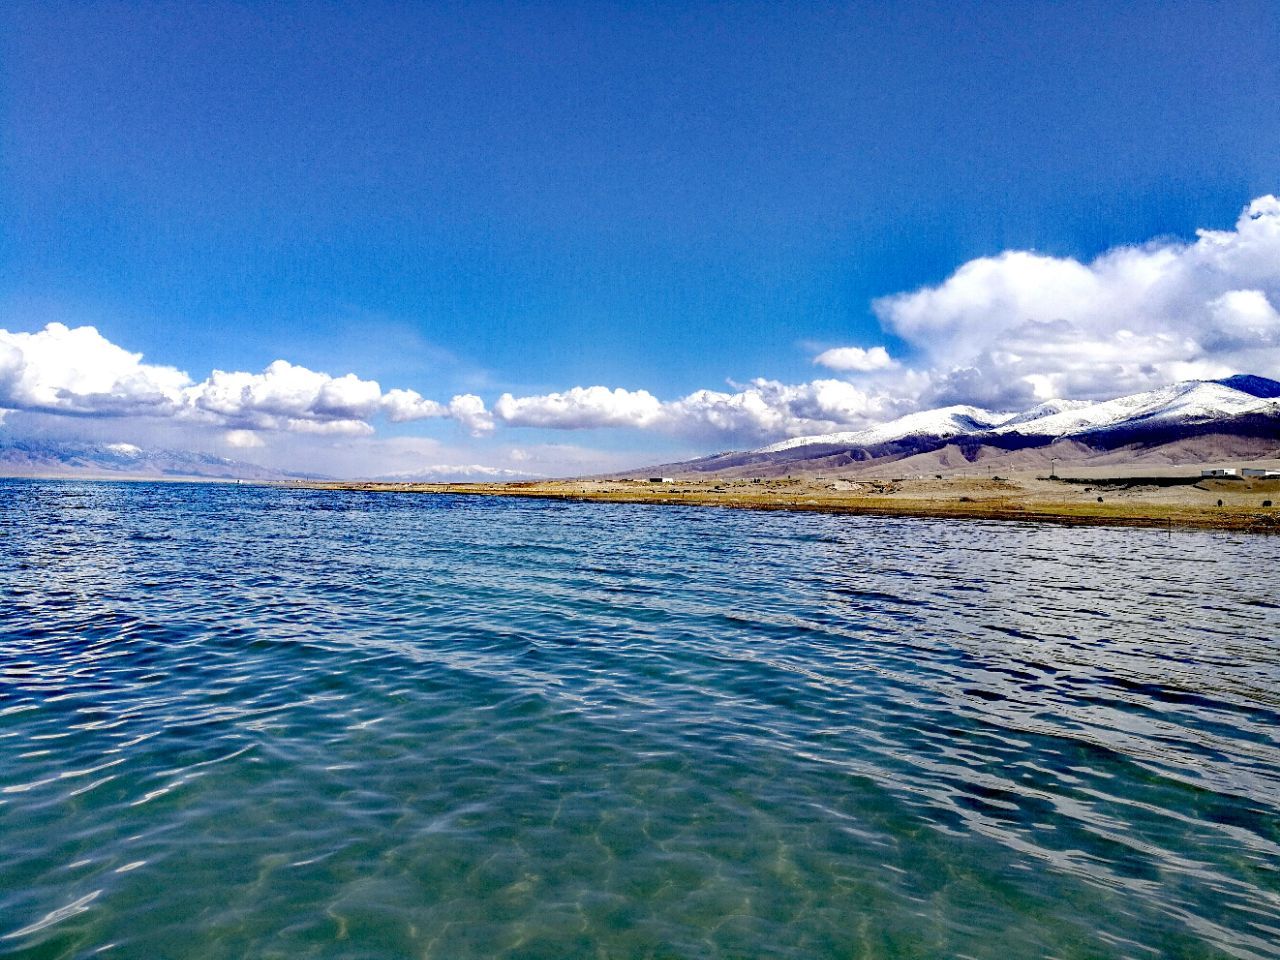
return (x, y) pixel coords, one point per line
(480, 199)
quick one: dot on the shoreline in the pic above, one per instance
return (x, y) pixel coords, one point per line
(1125, 502)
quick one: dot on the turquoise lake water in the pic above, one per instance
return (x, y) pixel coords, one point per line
(248, 722)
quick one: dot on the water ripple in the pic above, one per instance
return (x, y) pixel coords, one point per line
(251, 722)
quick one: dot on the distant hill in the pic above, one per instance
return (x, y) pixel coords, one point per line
(458, 473)
(42, 458)
(1189, 422)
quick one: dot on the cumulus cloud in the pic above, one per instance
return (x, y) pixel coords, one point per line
(1004, 331)
(286, 397)
(404, 405)
(469, 410)
(243, 439)
(761, 408)
(855, 359)
(60, 370)
(769, 408)
(1024, 326)
(580, 407)
(1243, 319)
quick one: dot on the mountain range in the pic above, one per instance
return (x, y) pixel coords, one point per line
(1195, 421)
(57, 458)
(458, 473)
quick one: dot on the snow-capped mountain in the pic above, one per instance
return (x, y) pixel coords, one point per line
(1190, 402)
(1042, 411)
(1235, 416)
(459, 473)
(943, 422)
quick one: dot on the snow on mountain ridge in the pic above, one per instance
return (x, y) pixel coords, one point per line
(458, 473)
(1044, 410)
(1191, 401)
(942, 422)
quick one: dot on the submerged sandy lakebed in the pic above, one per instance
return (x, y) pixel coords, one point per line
(1173, 500)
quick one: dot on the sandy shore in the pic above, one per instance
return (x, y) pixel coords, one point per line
(1172, 501)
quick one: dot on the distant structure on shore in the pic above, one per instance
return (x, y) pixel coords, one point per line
(1239, 472)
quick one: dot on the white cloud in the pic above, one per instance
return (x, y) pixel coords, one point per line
(285, 396)
(762, 408)
(322, 428)
(769, 408)
(1022, 326)
(580, 407)
(243, 439)
(1002, 331)
(855, 359)
(78, 371)
(401, 406)
(60, 370)
(469, 410)
(1245, 318)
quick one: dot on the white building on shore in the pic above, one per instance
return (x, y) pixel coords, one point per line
(1252, 472)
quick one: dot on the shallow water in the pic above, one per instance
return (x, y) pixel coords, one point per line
(245, 722)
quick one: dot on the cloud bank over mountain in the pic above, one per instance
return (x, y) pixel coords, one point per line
(1022, 326)
(1002, 332)
(1011, 330)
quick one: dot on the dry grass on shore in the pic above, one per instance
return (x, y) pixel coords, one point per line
(1233, 504)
